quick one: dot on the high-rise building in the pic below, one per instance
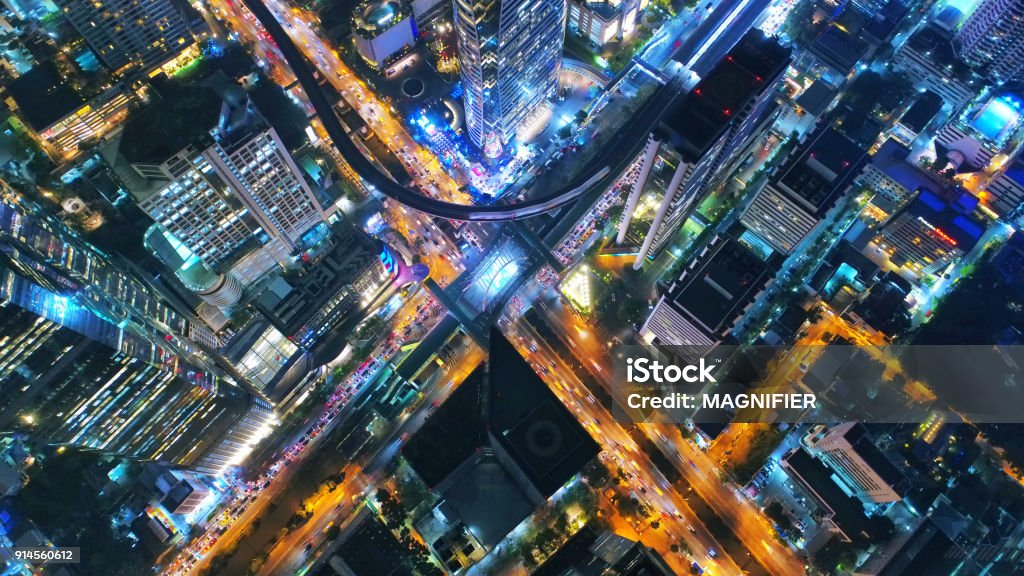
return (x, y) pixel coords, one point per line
(928, 60)
(214, 175)
(713, 123)
(90, 357)
(864, 471)
(809, 185)
(510, 54)
(931, 232)
(993, 38)
(47, 253)
(703, 305)
(132, 34)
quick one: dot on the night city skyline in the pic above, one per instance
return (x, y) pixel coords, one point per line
(511, 287)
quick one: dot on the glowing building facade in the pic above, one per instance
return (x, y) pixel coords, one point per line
(124, 34)
(235, 191)
(993, 38)
(510, 54)
(91, 357)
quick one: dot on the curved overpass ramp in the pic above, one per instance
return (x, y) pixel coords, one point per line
(602, 171)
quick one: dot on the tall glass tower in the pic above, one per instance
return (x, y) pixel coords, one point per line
(91, 357)
(510, 54)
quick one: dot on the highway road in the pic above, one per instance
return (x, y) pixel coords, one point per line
(288, 555)
(699, 470)
(679, 522)
(240, 508)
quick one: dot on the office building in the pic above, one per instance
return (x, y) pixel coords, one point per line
(927, 59)
(100, 361)
(713, 123)
(132, 35)
(72, 378)
(383, 30)
(49, 254)
(185, 492)
(1004, 194)
(347, 274)
(918, 117)
(60, 117)
(849, 451)
(510, 55)
(810, 184)
(703, 305)
(838, 512)
(499, 447)
(222, 290)
(206, 167)
(931, 232)
(590, 551)
(992, 38)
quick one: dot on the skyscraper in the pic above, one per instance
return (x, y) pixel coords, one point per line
(716, 119)
(47, 253)
(510, 54)
(131, 34)
(993, 38)
(215, 175)
(89, 357)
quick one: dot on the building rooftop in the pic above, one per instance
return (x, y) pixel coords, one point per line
(604, 10)
(817, 98)
(839, 49)
(822, 169)
(885, 21)
(891, 159)
(177, 116)
(588, 553)
(528, 420)
(847, 512)
(710, 107)
(952, 219)
(935, 44)
(43, 96)
(921, 113)
(373, 17)
(453, 433)
(725, 280)
(372, 550)
(865, 446)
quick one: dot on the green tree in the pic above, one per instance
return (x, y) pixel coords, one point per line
(801, 26)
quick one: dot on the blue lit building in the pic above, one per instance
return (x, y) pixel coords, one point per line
(510, 54)
(91, 357)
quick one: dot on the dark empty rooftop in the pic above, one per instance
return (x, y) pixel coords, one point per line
(372, 550)
(453, 433)
(820, 171)
(922, 112)
(817, 98)
(717, 99)
(726, 279)
(43, 96)
(533, 426)
(178, 115)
